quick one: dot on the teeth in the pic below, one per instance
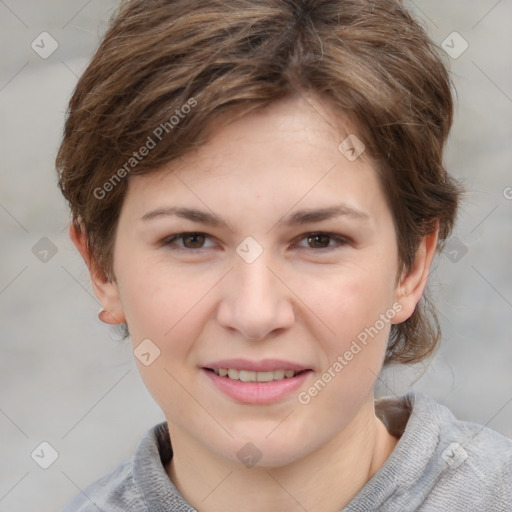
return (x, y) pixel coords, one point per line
(233, 374)
(245, 376)
(264, 376)
(250, 376)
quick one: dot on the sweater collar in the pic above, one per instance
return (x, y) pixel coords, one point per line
(409, 417)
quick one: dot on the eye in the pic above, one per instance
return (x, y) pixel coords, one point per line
(193, 240)
(322, 241)
(190, 240)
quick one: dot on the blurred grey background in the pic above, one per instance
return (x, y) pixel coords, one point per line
(65, 380)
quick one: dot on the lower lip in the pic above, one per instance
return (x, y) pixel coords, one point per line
(257, 392)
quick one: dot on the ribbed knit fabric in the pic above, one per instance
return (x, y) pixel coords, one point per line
(440, 464)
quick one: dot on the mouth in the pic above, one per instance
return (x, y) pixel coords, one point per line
(254, 376)
(257, 382)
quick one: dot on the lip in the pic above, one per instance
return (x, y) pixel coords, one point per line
(257, 393)
(265, 365)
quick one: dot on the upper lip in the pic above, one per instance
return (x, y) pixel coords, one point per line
(265, 365)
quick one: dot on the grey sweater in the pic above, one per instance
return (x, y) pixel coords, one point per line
(440, 464)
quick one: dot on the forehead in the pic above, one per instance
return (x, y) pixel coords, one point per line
(299, 124)
(287, 152)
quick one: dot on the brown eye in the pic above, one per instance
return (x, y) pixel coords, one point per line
(318, 241)
(187, 241)
(193, 240)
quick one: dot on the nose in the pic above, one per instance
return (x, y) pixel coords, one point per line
(255, 301)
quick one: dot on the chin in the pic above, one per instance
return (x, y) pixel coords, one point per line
(264, 452)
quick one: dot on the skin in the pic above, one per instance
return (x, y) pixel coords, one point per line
(297, 301)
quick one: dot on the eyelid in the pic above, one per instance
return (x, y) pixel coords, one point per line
(339, 239)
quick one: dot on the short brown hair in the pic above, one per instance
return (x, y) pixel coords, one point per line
(372, 60)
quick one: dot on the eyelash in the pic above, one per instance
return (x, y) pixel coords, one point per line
(341, 241)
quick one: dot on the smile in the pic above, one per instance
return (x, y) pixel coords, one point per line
(257, 388)
(252, 376)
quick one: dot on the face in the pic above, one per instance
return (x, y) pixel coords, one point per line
(258, 281)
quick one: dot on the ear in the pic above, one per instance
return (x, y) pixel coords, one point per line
(412, 283)
(105, 290)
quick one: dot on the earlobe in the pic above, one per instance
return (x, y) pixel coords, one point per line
(108, 318)
(412, 283)
(106, 291)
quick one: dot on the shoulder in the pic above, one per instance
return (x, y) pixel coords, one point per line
(475, 461)
(114, 492)
(139, 484)
(127, 487)
(468, 465)
(439, 463)
(460, 440)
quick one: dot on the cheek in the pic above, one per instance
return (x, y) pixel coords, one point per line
(353, 298)
(357, 307)
(353, 355)
(169, 306)
(167, 309)
(157, 297)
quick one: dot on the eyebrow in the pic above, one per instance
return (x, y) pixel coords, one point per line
(317, 215)
(300, 217)
(186, 213)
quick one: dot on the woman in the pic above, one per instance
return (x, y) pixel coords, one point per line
(258, 191)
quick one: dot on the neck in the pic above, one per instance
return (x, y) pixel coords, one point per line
(323, 481)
